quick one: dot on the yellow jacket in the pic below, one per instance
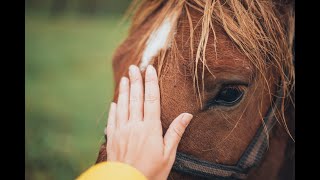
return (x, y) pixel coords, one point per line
(112, 171)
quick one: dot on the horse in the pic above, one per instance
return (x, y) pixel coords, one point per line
(230, 63)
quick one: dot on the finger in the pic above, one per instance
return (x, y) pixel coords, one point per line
(123, 102)
(111, 124)
(136, 93)
(175, 132)
(152, 95)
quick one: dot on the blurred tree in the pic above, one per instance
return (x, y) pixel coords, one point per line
(87, 7)
(58, 7)
(37, 5)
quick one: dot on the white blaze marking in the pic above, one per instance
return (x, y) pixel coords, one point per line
(156, 42)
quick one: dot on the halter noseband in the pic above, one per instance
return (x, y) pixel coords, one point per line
(250, 158)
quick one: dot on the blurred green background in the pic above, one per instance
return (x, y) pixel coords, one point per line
(68, 82)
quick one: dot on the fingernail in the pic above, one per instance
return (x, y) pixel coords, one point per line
(113, 103)
(150, 70)
(112, 106)
(123, 81)
(132, 70)
(186, 118)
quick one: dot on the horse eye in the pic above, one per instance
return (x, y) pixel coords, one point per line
(227, 96)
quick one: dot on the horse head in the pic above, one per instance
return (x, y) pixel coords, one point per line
(230, 64)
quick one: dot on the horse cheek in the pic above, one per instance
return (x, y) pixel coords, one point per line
(102, 156)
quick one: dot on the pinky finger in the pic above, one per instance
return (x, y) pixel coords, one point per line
(111, 120)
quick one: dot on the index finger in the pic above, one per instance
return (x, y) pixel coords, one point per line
(152, 95)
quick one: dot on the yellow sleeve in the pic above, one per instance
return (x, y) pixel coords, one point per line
(111, 171)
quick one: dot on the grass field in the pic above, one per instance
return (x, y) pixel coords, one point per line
(68, 88)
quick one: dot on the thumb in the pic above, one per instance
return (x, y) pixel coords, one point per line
(175, 132)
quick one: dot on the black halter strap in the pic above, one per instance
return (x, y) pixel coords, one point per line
(250, 158)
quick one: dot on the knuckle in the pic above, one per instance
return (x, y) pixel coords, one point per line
(150, 97)
(149, 79)
(123, 94)
(178, 130)
(164, 161)
(135, 118)
(181, 124)
(135, 98)
(134, 79)
(166, 158)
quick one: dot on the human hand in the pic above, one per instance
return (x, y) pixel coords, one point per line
(134, 130)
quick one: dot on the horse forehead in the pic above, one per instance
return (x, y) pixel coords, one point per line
(159, 39)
